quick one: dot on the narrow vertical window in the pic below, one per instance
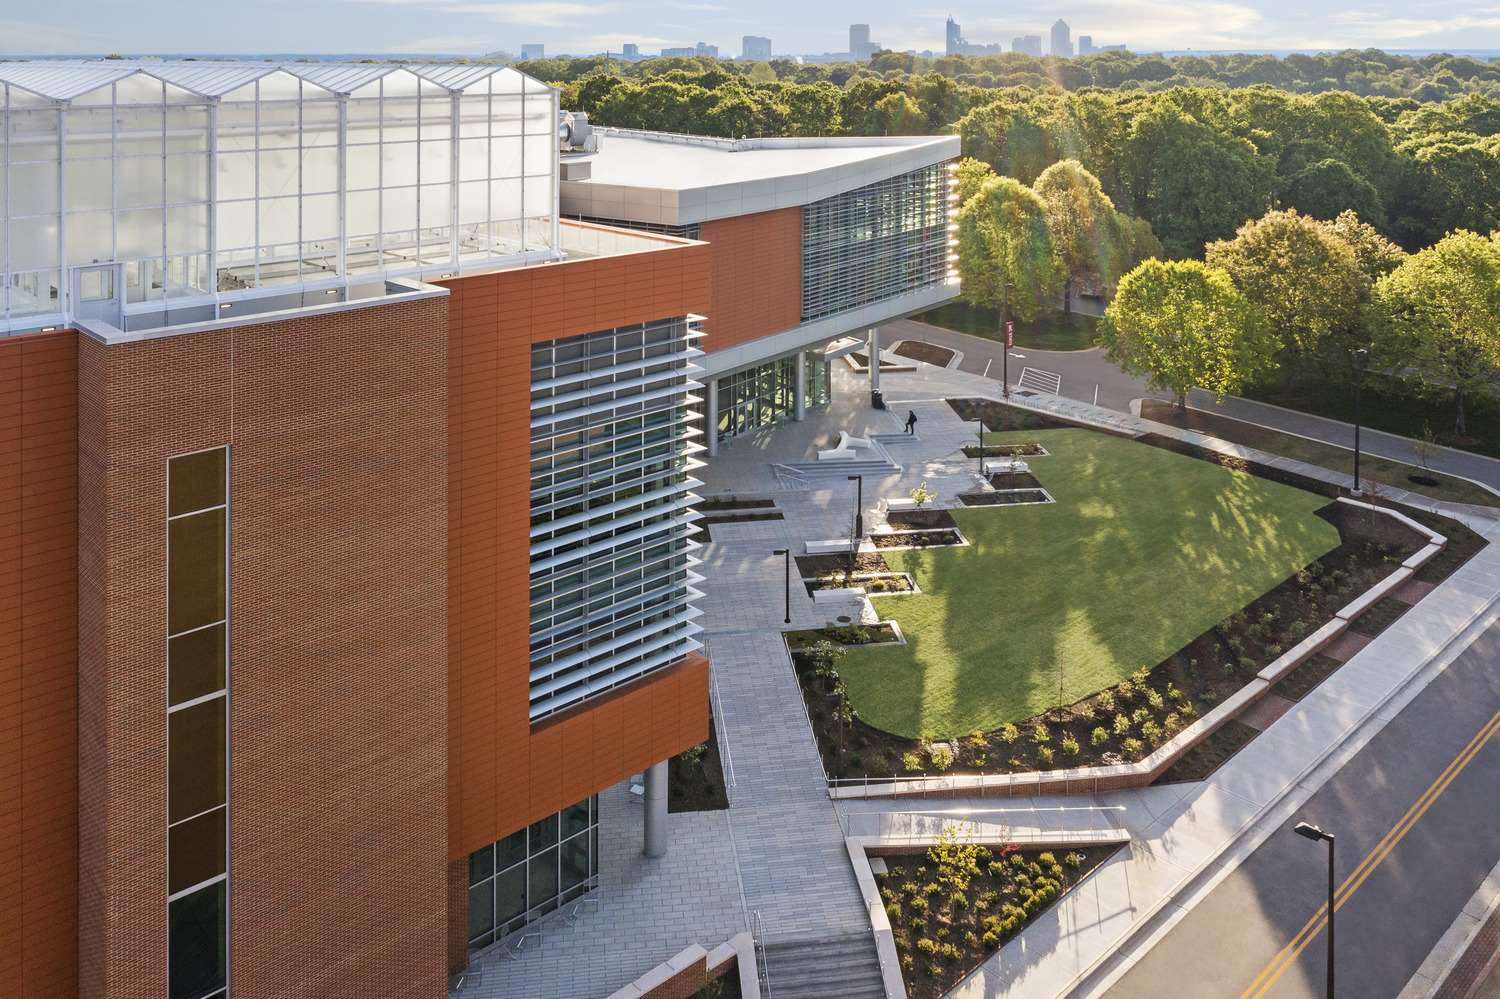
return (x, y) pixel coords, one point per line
(197, 805)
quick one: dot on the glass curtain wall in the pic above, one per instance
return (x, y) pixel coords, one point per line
(611, 440)
(767, 393)
(533, 871)
(875, 242)
(240, 176)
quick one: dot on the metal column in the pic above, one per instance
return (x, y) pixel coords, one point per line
(874, 358)
(711, 417)
(656, 810)
(799, 402)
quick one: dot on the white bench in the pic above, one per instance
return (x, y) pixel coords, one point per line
(847, 443)
(1002, 465)
(837, 547)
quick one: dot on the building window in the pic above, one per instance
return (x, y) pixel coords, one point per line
(875, 242)
(197, 723)
(533, 871)
(611, 446)
(767, 393)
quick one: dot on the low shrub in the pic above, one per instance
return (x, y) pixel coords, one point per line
(1141, 716)
(918, 924)
(907, 962)
(1152, 733)
(1106, 701)
(1069, 746)
(1154, 698)
(958, 900)
(1099, 737)
(1073, 861)
(856, 761)
(1040, 735)
(1046, 859)
(991, 939)
(996, 868)
(911, 763)
(1044, 755)
(878, 766)
(941, 758)
(1131, 749)
(1122, 724)
(893, 911)
(927, 946)
(1009, 733)
(932, 888)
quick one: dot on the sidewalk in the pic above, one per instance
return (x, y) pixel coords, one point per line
(1186, 837)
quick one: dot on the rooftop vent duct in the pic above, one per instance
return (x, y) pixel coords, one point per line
(575, 134)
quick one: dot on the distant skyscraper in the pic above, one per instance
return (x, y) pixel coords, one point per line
(536, 50)
(1029, 44)
(955, 38)
(705, 49)
(860, 46)
(686, 52)
(1062, 43)
(630, 50)
(755, 47)
(1085, 45)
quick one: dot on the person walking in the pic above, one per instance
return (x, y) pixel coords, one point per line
(911, 422)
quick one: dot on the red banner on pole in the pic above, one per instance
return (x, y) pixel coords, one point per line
(1010, 335)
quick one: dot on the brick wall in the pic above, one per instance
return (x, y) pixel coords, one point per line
(338, 648)
(38, 665)
(757, 276)
(503, 774)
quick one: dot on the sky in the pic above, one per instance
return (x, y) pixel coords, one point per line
(476, 27)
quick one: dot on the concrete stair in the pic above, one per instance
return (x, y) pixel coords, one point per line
(844, 967)
(879, 461)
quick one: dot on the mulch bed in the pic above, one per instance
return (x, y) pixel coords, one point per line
(742, 518)
(1013, 498)
(917, 539)
(1015, 480)
(712, 506)
(1210, 754)
(1380, 617)
(697, 785)
(949, 915)
(894, 582)
(863, 360)
(910, 520)
(998, 416)
(818, 566)
(1181, 688)
(917, 350)
(1305, 678)
(1004, 450)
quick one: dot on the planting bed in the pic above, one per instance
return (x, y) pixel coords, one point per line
(1015, 480)
(1210, 754)
(695, 778)
(937, 538)
(918, 350)
(1014, 497)
(874, 583)
(1305, 678)
(1028, 450)
(915, 520)
(717, 505)
(820, 566)
(955, 905)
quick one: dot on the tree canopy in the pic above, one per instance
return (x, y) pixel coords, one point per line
(1442, 307)
(1180, 324)
(1003, 240)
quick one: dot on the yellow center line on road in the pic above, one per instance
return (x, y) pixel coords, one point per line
(1290, 952)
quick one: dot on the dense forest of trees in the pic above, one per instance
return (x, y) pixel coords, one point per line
(1195, 161)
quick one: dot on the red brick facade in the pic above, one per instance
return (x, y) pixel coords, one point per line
(757, 276)
(336, 426)
(38, 665)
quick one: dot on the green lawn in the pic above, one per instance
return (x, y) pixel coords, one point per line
(1142, 552)
(1050, 331)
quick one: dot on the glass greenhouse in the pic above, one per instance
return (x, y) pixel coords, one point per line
(133, 189)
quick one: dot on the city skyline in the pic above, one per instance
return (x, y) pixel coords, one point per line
(471, 27)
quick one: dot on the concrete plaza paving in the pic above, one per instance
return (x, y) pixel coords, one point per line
(779, 850)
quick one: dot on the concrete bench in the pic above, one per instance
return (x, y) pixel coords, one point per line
(837, 547)
(847, 443)
(993, 466)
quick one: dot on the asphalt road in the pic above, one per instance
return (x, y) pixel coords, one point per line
(1083, 372)
(1230, 943)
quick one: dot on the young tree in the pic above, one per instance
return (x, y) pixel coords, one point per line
(1180, 324)
(1443, 312)
(1087, 233)
(1003, 239)
(1306, 281)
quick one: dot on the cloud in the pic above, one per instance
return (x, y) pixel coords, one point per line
(52, 39)
(694, 6)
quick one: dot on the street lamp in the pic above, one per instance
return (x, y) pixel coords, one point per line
(859, 507)
(1314, 833)
(788, 553)
(1359, 371)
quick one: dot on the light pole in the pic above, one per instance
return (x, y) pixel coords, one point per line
(1314, 833)
(859, 507)
(788, 553)
(1359, 373)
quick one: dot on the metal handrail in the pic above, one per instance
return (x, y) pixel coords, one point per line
(722, 733)
(758, 932)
